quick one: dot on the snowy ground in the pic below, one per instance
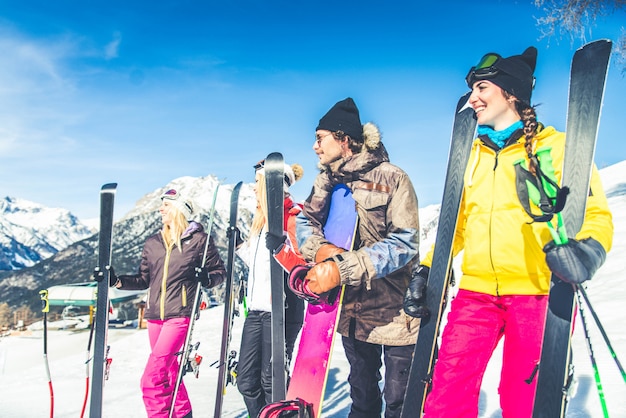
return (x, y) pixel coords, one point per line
(24, 390)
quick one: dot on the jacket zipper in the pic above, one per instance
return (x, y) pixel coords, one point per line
(166, 264)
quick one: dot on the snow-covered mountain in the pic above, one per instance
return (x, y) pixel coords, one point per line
(30, 232)
(76, 261)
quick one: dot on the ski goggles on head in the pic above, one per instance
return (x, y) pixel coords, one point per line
(259, 165)
(484, 69)
(171, 194)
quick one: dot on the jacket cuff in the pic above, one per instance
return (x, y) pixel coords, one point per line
(351, 270)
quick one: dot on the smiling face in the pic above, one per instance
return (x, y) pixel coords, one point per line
(167, 212)
(329, 149)
(492, 107)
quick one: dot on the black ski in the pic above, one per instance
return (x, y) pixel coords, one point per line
(587, 80)
(188, 361)
(274, 173)
(426, 346)
(101, 349)
(228, 301)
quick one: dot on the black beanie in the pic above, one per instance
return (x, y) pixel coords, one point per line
(515, 74)
(343, 116)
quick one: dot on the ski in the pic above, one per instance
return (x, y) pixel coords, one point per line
(189, 362)
(274, 174)
(102, 361)
(312, 362)
(228, 302)
(587, 79)
(426, 346)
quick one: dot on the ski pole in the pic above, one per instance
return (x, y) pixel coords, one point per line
(596, 373)
(88, 359)
(583, 292)
(45, 309)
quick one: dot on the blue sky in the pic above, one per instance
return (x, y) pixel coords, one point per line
(142, 92)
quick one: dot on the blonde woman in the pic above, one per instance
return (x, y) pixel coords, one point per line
(254, 370)
(170, 270)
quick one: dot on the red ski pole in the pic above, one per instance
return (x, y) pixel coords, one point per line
(87, 361)
(45, 309)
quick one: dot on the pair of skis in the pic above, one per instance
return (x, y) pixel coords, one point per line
(587, 80)
(223, 368)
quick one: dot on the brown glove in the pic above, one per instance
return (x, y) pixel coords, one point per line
(323, 277)
(326, 251)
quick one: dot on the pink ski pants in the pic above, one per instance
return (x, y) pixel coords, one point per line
(159, 377)
(476, 323)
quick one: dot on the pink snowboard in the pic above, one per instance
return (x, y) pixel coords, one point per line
(308, 380)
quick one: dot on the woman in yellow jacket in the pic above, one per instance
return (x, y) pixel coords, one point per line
(508, 258)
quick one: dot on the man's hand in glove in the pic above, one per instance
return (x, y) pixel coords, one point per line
(323, 277)
(414, 303)
(327, 251)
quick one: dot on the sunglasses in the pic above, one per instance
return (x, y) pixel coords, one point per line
(484, 69)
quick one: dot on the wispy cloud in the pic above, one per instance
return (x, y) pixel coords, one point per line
(111, 50)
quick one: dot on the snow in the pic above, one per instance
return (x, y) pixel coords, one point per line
(24, 389)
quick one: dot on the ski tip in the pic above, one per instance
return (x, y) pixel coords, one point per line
(109, 187)
(598, 43)
(600, 46)
(463, 103)
(235, 191)
(274, 156)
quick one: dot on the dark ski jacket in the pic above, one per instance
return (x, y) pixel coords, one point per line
(377, 272)
(169, 274)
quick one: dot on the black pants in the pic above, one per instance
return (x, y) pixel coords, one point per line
(365, 363)
(254, 370)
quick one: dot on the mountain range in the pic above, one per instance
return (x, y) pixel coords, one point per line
(73, 244)
(75, 261)
(30, 233)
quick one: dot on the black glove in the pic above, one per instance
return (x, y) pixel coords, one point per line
(273, 242)
(234, 230)
(204, 277)
(576, 261)
(414, 303)
(98, 275)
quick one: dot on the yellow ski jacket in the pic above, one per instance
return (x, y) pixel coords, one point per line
(502, 247)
